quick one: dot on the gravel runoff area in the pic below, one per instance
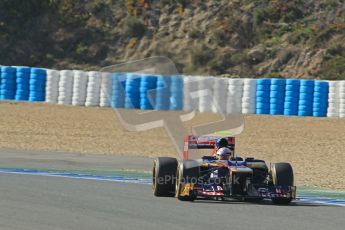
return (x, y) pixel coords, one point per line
(314, 146)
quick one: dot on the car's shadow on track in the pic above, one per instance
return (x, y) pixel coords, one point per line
(295, 203)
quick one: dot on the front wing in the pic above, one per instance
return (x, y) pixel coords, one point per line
(213, 190)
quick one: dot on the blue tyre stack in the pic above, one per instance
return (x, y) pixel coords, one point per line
(37, 84)
(118, 90)
(277, 96)
(263, 88)
(8, 83)
(320, 103)
(132, 92)
(176, 96)
(163, 93)
(291, 97)
(148, 85)
(306, 94)
(22, 80)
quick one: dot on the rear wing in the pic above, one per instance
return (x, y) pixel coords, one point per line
(204, 142)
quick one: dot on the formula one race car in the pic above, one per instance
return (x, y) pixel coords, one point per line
(237, 178)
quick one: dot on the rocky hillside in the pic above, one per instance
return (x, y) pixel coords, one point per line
(252, 38)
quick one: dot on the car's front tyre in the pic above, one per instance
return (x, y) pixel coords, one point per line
(282, 175)
(187, 175)
(164, 176)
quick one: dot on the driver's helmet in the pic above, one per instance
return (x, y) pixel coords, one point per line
(222, 142)
(223, 153)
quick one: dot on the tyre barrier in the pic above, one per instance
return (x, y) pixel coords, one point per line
(148, 85)
(22, 83)
(306, 93)
(176, 96)
(190, 88)
(132, 92)
(205, 94)
(79, 88)
(341, 99)
(66, 87)
(118, 90)
(289, 97)
(37, 84)
(8, 83)
(263, 96)
(106, 90)
(234, 96)
(249, 96)
(93, 89)
(320, 98)
(163, 93)
(220, 94)
(333, 99)
(52, 86)
(277, 96)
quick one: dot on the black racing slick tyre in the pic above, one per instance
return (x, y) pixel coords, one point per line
(187, 172)
(282, 175)
(164, 176)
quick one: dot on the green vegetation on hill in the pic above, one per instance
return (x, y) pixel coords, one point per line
(248, 38)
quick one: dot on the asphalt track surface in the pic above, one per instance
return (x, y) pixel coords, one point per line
(40, 202)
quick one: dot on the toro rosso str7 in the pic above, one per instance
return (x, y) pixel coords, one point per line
(210, 177)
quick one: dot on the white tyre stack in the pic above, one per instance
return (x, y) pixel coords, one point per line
(341, 99)
(249, 96)
(79, 88)
(190, 88)
(65, 87)
(106, 89)
(52, 86)
(93, 89)
(234, 98)
(205, 93)
(220, 90)
(333, 99)
(187, 101)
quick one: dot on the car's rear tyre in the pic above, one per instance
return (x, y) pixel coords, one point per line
(282, 175)
(164, 176)
(187, 172)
